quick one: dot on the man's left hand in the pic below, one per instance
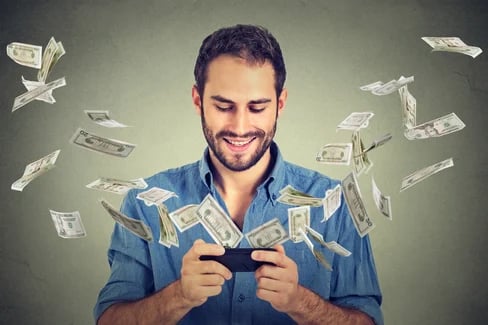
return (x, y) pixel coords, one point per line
(277, 284)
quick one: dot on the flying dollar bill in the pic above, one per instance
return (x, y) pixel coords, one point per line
(409, 108)
(383, 203)
(355, 121)
(25, 54)
(97, 143)
(68, 224)
(185, 217)
(218, 224)
(436, 128)
(316, 253)
(297, 218)
(167, 231)
(380, 89)
(335, 154)
(291, 196)
(361, 161)
(355, 204)
(102, 118)
(31, 95)
(45, 97)
(137, 227)
(332, 201)
(377, 143)
(424, 173)
(155, 196)
(117, 186)
(53, 51)
(452, 44)
(268, 234)
(35, 169)
(333, 246)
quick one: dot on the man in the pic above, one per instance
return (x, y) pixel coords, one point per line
(239, 96)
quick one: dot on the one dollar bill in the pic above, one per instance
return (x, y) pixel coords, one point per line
(356, 206)
(424, 173)
(100, 144)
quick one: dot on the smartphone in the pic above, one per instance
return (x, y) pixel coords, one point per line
(238, 259)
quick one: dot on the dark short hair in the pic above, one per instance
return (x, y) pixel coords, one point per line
(255, 44)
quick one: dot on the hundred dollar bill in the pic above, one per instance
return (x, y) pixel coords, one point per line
(383, 203)
(424, 173)
(116, 186)
(335, 154)
(332, 245)
(137, 227)
(268, 234)
(332, 201)
(25, 54)
(316, 253)
(218, 224)
(185, 217)
(409, 108)
(103, 145)
(297, 218)
(35, 169)
(30, 95)
(291, 196)
(45, 97)
(361, 161)
(155, 196)
(378, 142)
(168, 236)
(355, 204)
(356, 121)
(53, 51)
(68, 224)
(436, 128)
(102, 118)
(452, 44)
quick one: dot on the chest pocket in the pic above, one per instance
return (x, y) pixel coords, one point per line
(311, 274)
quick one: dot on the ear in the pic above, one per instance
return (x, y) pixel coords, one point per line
(196, 99)
(282, 100)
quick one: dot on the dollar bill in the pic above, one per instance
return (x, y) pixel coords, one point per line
(383, 203)
(97, 143)
(45, 97)
(137, 227)
(436, 128)
(268, 234)
(25, 54)
(168, 236)
(297, 218)
(102, 118)
(356, 206)
(380, 89)
(424, 173)
(333, 246)
(155, 196)
(68, 224)
(291, 196)
(409, 108)
(335, 154)
(316, 253)
(372, 86)
(355, 121)
(332, 201)
(361, 161)
(452, 44)
(185, 217)
(30, 95)
(377, 142)
(35, 169)
(53, 51)
(117, 186)
(218, 224)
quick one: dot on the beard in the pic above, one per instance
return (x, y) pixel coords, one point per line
(237, 162)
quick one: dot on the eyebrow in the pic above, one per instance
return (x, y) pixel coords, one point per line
(252, 102)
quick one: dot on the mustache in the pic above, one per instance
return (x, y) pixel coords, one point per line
(230, 134)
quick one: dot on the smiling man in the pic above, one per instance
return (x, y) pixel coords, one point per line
(239, 95)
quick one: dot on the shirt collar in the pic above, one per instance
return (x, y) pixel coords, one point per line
(272, 184)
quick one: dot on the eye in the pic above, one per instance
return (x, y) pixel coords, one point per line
(223, 108)
(257, 109)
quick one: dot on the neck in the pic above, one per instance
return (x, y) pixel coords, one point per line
(244, 182)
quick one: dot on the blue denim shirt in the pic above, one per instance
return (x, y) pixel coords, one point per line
(140, 268)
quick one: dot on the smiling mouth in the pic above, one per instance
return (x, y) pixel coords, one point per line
(240, 143)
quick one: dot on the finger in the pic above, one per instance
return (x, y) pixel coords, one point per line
(269, 284)
(200, 248)
(213, 267)
(208, 280)
(278, 258)
(273, 272)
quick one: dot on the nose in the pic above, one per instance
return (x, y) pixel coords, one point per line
(241, 122)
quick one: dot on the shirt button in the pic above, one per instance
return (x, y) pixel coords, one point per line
(241, 298)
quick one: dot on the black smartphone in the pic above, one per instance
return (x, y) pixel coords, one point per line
(238, 259)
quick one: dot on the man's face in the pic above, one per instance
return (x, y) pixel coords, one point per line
(239, 111)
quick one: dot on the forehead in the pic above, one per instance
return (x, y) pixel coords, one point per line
(234, 75)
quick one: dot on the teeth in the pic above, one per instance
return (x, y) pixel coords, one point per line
(239, 143)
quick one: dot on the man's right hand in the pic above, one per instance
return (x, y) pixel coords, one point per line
(202, 279)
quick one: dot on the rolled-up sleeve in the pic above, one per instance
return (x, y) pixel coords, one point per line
(356, 285)
(130, 269)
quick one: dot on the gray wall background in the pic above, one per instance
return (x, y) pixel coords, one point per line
(136, 60)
